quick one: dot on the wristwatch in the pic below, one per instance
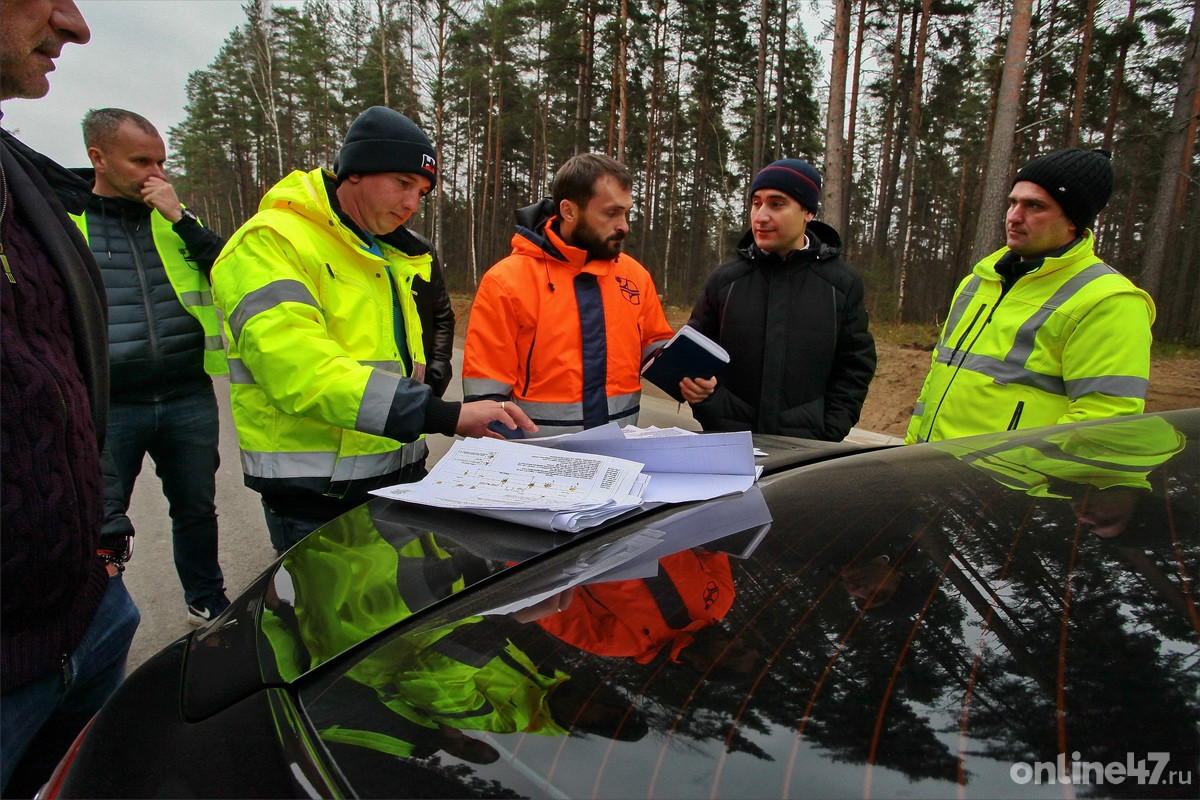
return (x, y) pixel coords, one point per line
(187, 213)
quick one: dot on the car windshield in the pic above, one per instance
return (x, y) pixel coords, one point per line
(928, 621)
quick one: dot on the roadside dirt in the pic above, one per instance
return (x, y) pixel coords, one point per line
(1174, 383)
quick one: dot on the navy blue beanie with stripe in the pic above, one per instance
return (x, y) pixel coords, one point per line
(794, 177)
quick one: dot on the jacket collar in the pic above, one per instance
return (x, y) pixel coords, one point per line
(537, 225)
(824, 244)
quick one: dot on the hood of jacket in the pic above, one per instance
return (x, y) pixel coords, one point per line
(823, 239)
(313, 195)
(537, 238)
(72, 186)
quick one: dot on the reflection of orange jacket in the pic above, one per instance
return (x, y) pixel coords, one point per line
(637, 618)
(525, 339)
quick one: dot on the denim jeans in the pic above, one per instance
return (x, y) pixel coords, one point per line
(286, 529)
(181, 437)
(42, 719)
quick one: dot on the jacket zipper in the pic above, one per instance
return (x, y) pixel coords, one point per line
(1016, 417)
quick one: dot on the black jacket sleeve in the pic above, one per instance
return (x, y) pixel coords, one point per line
(722, 410)
(437, 328)
(853, 366)
(203, 245)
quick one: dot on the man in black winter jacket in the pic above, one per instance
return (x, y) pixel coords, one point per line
(164, 336)
(791, 314)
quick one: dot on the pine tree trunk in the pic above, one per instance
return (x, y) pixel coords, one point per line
(835, 121)
(1162, 219)
(997, 174)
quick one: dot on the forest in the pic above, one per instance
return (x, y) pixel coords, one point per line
(917, 113)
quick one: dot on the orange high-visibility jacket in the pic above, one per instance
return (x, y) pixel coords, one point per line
(562, 336)
(638, 618)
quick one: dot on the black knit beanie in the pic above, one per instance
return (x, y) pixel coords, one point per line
(794, 177)
(1079, 180)
(383, 140)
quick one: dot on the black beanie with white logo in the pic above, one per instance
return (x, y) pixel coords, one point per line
(1080, 181)
(383, 140)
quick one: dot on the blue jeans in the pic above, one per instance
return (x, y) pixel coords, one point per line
(287, 529)
(42, 719)
(181, 437)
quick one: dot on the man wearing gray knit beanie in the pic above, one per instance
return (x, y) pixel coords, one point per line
(321, 291)
(1042, 331)
(791, 313)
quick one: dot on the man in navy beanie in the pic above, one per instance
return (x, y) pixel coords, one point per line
(1041, 331)
(321, 294)
(790, 311)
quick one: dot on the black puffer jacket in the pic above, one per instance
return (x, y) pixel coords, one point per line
(801, 356)
(155, 347)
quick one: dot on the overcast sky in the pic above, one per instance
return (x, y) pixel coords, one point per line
(139, 58)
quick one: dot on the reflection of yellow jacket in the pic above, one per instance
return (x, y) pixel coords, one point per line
(322, 396)
(349, 584)
(1103, 456)
(444, 677)
(1069, 341)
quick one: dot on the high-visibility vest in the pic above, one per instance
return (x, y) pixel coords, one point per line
(1067, 342)
(190, 285)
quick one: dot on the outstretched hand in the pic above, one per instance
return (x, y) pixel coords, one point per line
(475, 417)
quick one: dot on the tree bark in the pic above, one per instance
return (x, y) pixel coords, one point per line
(1162, 219)
(835, 121)
(997, 173)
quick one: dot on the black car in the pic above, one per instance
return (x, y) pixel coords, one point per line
(1010, 615)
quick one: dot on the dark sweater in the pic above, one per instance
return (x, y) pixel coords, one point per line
(53, 392)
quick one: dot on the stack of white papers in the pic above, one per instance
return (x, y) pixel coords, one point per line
(572, 482)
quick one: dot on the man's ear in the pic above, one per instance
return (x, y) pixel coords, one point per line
(568, 210)
(96, 156)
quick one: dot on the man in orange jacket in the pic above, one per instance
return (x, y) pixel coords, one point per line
(564, 323)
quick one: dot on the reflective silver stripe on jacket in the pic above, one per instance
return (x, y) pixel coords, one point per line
(200, 297)
(263, 299)
(327, 464)
(958, 309)
(1012, 368)
(555, 418)
(377, 398)
(477, 387)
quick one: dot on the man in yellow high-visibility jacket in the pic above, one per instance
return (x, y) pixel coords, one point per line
(326, 358)
(1042, 331)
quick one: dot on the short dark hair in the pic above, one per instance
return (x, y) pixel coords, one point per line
(100, 125)
(576, 179)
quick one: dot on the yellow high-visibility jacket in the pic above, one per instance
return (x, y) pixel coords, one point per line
(1068, 341)
(321, 394)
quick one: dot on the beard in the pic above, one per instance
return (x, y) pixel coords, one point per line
(596, 247)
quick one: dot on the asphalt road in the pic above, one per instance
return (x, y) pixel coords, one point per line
(245, 548)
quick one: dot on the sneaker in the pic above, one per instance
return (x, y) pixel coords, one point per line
(207, 609)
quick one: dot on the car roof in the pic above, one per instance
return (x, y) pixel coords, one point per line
(929, 620)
